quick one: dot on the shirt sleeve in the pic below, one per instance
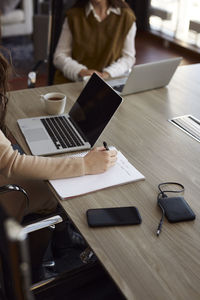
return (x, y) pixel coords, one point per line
(62, 56)
(14, 165)
(127, 60)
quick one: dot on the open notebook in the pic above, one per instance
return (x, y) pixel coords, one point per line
(123, 172)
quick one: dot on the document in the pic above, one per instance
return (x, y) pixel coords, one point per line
(122, 172)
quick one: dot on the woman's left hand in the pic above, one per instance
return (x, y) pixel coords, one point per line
(105, 75)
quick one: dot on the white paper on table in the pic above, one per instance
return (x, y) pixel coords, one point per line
(122, 172)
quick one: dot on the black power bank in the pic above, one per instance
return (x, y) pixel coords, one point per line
(176, 209)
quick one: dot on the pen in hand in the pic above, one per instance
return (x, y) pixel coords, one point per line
(105, 146)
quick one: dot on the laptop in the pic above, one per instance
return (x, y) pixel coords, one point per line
(146, 76)
(77, 130)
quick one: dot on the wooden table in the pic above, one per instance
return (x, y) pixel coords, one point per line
(142, 265)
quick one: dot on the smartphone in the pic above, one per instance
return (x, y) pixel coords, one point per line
(113, 216)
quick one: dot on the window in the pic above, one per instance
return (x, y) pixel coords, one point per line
(178, 19)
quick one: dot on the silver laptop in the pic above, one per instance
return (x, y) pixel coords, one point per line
(146, 76)
(77, 130)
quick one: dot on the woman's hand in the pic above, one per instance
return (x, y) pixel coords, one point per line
(88, 72)
(99, 160)
(105, 75)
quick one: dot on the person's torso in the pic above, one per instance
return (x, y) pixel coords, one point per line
(97, 44)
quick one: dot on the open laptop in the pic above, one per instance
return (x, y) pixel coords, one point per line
(146, 77)
(77, 130)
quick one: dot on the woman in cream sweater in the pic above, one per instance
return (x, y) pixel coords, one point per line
(30, 171)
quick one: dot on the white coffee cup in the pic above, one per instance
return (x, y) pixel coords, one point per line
(54, 103)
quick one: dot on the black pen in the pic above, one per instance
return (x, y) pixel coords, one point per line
(105, 146)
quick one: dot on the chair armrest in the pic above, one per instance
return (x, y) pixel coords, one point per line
(45, 222)
(14, 188)
(42, 224)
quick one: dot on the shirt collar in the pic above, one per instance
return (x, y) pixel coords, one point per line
(90, 8)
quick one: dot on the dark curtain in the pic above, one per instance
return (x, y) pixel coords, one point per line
(141, 9)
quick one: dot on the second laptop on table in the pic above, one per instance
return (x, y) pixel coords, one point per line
(146, 76)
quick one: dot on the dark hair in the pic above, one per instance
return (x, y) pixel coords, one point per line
(4, 71)
(113, 3)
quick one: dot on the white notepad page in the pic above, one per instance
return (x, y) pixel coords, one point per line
(122, 172)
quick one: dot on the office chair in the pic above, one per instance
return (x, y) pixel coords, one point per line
(44, 225)
(56, 14)
(14, 261)
(87, 282)
(15, 275)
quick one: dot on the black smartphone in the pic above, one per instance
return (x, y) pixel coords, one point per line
(113, 216)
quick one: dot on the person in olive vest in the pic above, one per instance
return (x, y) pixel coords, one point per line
(97, 36)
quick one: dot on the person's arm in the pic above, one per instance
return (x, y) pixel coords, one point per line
(14, 165)
(127, 60)
(62, 56)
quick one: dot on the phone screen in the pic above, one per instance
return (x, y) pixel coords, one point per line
(113, 216)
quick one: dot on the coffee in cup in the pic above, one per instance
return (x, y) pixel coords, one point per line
(54, 103)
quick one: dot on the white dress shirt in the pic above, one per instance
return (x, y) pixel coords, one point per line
(71, 68)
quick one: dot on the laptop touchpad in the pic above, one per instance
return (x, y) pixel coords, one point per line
(35, 135)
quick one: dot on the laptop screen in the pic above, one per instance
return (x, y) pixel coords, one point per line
(94, 108)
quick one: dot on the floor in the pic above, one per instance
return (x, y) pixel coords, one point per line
(148, 48)
(151, 48)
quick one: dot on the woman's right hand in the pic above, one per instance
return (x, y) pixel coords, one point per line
(99, 160)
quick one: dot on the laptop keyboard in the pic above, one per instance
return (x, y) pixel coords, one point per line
(117, 83)
(61, 132)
